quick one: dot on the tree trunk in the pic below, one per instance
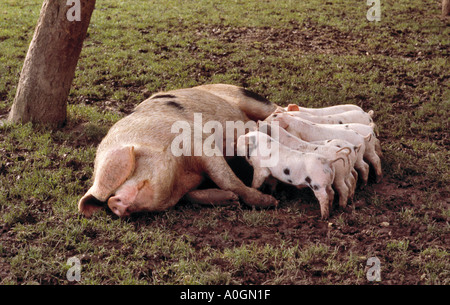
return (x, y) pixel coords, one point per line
(445, 8)
(49, 66)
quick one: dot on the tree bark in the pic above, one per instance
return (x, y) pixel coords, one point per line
(445, 8)
(49, 66)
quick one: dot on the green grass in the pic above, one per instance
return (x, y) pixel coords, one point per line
(313, 53)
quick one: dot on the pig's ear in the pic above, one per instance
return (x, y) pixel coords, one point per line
(113, 171)
(293, 107)
(89, 204)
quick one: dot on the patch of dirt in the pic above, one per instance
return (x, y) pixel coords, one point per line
(309, 38)
(306, 39)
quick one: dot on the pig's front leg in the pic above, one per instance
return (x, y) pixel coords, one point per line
(213, 197)
(219, 171)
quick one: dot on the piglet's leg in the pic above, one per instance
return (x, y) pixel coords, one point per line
(219, 171)
(376, 163)
(213, 197)
(323, 197)
(330, 194)
(343, 191)
(351, 183)
(363, 171)
(259, 176)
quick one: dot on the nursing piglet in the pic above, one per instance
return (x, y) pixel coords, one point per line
(324, 111)
(344, 182)
(311, 132)
(352, 116)
(270, 158)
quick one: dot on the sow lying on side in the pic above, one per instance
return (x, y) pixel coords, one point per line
(136, 171)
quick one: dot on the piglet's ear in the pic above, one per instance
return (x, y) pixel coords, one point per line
(282, 122)
(293, 107)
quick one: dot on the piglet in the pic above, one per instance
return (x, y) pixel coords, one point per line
(292, 167)
(352, 116)
(311, 132)
(344, 182)
(326, 110)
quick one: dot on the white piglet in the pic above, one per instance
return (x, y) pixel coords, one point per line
(344, 182)
(352, 116)
(317, 132)
(270, 158)
(324, 111)
(352, 157)
(373, 148)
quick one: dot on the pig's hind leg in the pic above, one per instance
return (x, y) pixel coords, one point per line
(222, 175)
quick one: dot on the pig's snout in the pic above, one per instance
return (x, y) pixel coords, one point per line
(118, 206)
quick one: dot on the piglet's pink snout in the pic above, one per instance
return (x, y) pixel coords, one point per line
(118, 207)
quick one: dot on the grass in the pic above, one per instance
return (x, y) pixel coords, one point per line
(314, 53)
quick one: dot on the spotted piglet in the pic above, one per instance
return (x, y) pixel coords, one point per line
(270, 158)
(344, 182)
(311, 132)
